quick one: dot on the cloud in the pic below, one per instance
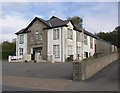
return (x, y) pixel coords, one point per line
(60, 0)
(31, 0)
(99, 17)
(40, 16)
(11, 24)
(99, 23)
(7, 37)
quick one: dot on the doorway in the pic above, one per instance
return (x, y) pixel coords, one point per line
(36, 50)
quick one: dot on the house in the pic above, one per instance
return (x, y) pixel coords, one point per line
(53, 40)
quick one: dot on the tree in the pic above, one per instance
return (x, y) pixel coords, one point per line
(113, 36)
(8, 48)
(76, 20)
(117, 29)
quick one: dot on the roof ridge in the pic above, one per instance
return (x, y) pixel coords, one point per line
(53, 17)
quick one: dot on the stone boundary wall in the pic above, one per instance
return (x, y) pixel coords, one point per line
(90, 67)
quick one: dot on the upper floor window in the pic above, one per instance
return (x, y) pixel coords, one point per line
(41, 36)
(91, 42)
(69, 34)
(36, 35)
(85, 40)
(56, 51)
(56, 34)
(21, 39)
(78, 36)
(69, 50)
(78, 51)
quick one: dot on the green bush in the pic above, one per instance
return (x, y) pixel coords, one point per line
(119, 50)
(5, 54)
(7, 49)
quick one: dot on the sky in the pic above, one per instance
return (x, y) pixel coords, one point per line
(97, 16)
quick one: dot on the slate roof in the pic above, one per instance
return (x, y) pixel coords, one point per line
(52, 23)
(56, 22)
(21, 31)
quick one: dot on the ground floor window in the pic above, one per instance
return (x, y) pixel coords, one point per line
(78, 51)
(56, 51)
(20, 51)
(69, 50)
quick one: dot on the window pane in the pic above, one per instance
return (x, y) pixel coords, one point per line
(20, 51)
(69, 50)
(56, 34)
(78, 50)
(78, 36)
(41, 36)
(69, 34)
(36, 35)
(91, 42)
(21, 39)
(85, 39)
(56, 51)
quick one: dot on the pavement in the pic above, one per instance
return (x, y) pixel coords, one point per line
(56, 77)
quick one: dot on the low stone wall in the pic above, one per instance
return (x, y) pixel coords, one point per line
(91, 66)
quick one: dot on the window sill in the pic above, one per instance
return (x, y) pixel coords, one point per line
(56, 39)
(69, 39)
(57, 57)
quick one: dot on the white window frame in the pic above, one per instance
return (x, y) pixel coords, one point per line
(41, 36)
(78, 50)
(56, 51)
(21, 39)
(91, 42)
(78, 36)
(69, 33)
(36, 35)
(85, 39)
(20, 51)
(56, 33)
(70, 50)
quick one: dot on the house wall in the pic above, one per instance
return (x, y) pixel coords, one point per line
(24, 45)
(87, 48)
(69, 42)
(52, 42)
(38, 26)
(63, 43)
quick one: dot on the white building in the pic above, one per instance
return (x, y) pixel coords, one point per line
(54, 38)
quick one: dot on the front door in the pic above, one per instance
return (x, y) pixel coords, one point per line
(36, 50)
(33, 55)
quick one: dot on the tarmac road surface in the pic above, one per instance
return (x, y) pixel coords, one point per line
(56, 77)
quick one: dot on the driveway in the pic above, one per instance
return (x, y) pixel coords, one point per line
(38, 70)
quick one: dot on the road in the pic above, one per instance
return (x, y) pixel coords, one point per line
(38, 70)
(53, 74)
(105, 80)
